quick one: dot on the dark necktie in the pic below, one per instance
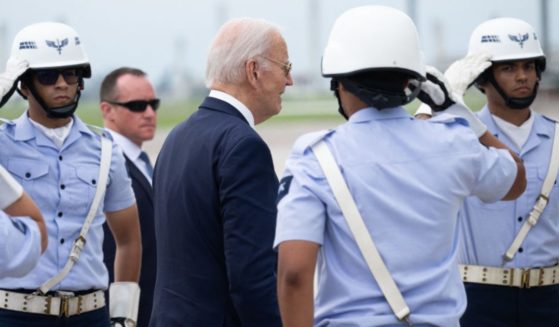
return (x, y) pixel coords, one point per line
(144, 157)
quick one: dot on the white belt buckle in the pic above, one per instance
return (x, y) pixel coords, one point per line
(525, 280)
(64, 309)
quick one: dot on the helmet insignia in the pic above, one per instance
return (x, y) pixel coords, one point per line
(58, 45)
(490, 38)
(28, 45)
(519, 38)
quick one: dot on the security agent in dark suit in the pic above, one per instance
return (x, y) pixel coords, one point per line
(215, 190)
(128, 105)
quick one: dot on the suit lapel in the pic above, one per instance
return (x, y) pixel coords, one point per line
(137, 175)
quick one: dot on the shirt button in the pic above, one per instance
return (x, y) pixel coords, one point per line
(61, 241)
(519, 218)
(520, 250)
(62, 186)
(60, 158)
(59, 214)
(93, 182)
(27, 175)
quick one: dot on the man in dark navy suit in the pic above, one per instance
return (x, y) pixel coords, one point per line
(215, 190)
(128, 105)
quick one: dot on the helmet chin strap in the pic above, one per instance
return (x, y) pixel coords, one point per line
(334, 87)
(54, 112)
(378, 98)
(514, 103)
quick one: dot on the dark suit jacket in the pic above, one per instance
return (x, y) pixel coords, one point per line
(144, 201)
(215, 216)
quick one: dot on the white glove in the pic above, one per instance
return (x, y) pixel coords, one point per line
(423, 110)
(11, 189)
(14, 69)
(463, 72)
(124, 298)
(438, 97)
(435, 91)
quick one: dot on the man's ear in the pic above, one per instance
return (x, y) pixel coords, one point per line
(106, 109)
(252, 71)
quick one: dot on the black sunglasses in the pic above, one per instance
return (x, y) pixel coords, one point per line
(50, 76)
(138, 105)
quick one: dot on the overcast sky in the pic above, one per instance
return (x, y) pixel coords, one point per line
(161, 35)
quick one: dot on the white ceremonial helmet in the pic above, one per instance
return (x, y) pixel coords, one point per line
(373, 37)
(507, 39)
(371, 40)
(50, 45)
(46, 46)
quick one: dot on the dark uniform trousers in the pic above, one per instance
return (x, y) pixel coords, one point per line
(503, 306)
(96, 318)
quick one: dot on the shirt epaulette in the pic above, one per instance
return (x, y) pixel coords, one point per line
(549, 118)
(448, 119)
(306, 141)
(100, 131)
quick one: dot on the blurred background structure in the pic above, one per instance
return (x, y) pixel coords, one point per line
(169, 38)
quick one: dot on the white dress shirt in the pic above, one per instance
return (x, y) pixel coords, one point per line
(235, 103)
(132, 151)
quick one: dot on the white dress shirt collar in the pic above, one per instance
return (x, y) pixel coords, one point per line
(235, 103)
(131, 150)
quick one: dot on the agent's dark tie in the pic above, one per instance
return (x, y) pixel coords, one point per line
(144, 157)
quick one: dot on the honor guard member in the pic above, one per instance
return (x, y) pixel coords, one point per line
(23, 235)
(509, 251)
(78, 179)
(383, 179)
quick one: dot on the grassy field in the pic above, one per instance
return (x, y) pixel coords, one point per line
(302, 108)
(299, 115)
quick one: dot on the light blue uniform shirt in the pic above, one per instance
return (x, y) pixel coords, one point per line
(487, 230)
(20, 245)
(62, 183)
(408, 178)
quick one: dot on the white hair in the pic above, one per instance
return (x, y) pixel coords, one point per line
(237, 41)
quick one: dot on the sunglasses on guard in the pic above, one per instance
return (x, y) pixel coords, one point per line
(50, 76)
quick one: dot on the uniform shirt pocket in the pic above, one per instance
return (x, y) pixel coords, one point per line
(82, 189)
(34, 177)
(27, 171)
